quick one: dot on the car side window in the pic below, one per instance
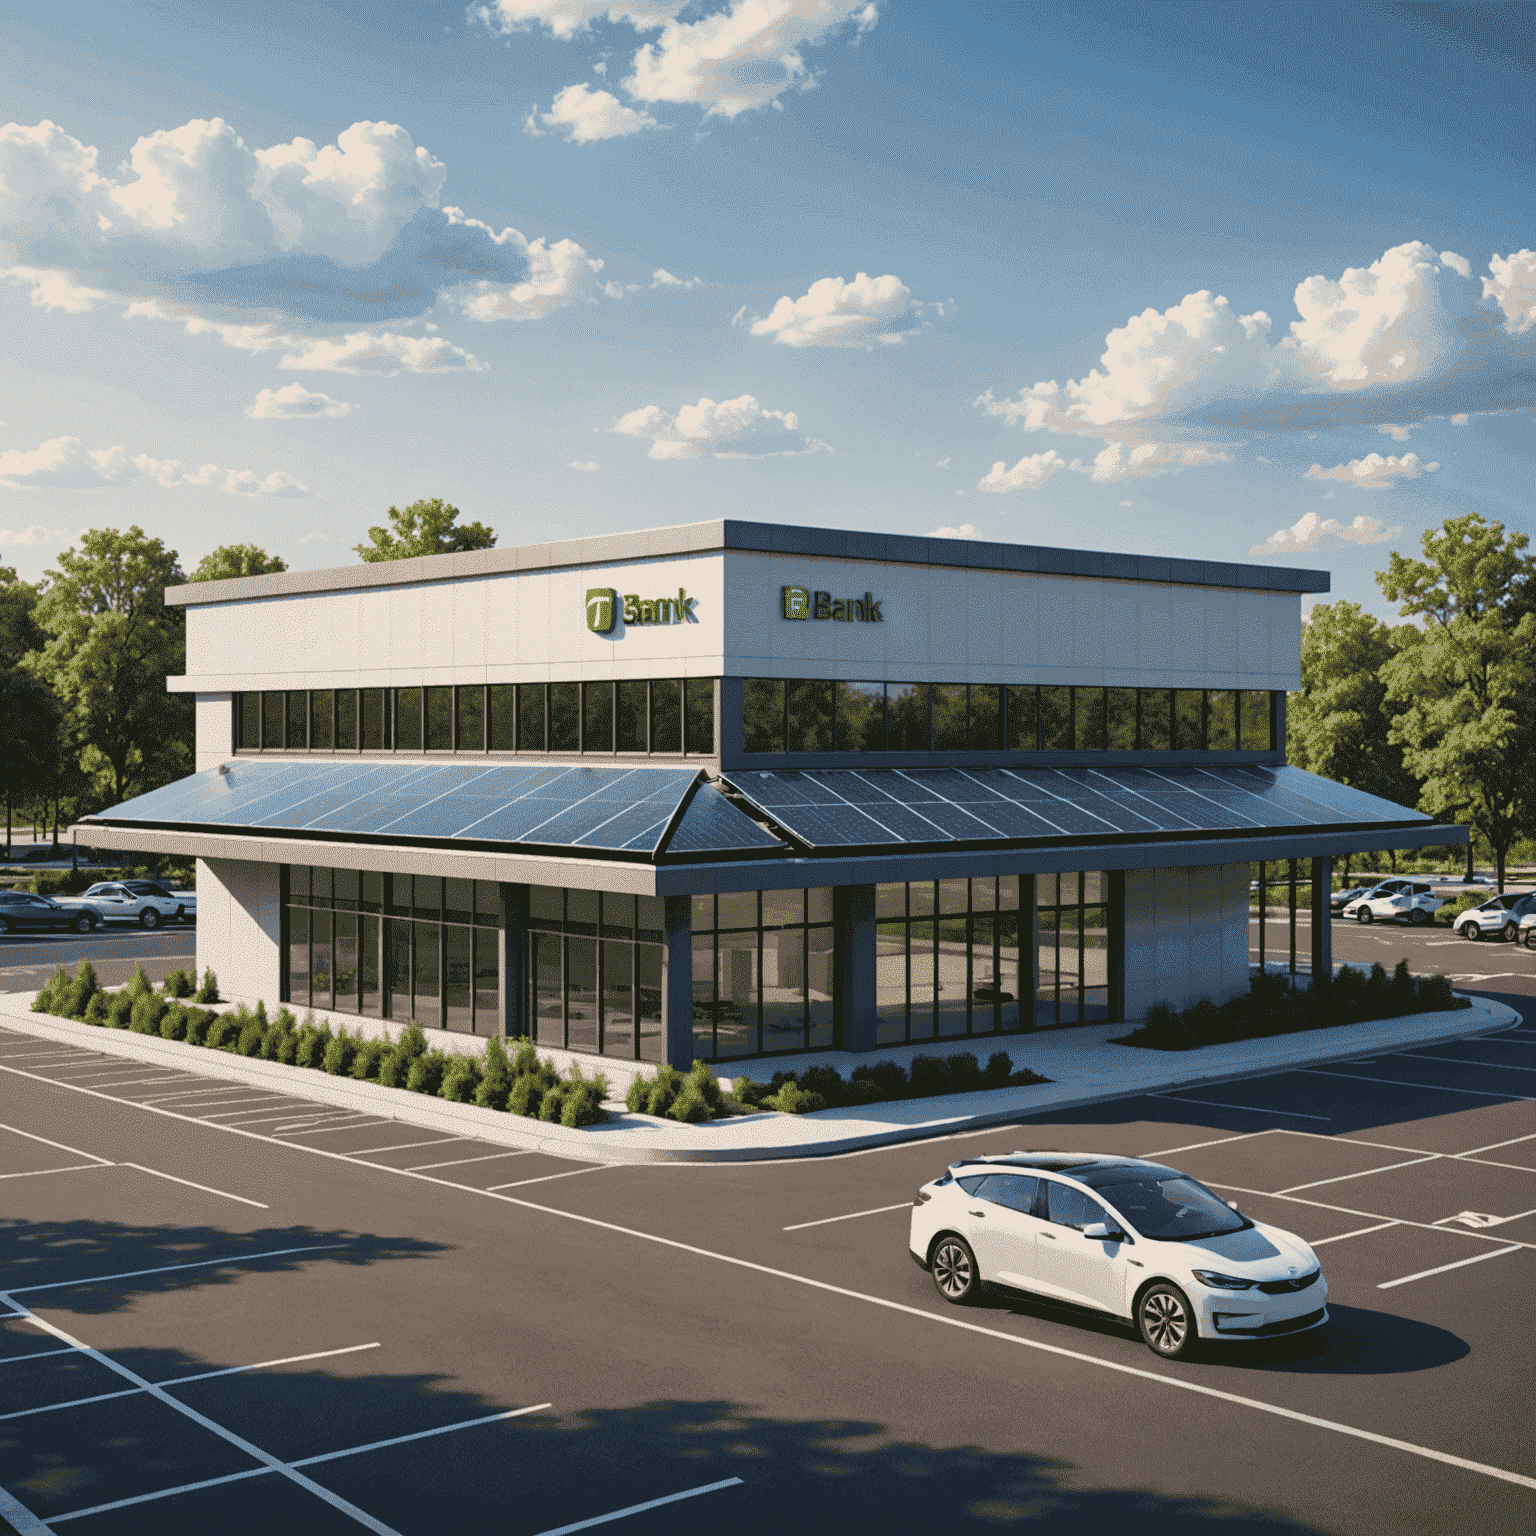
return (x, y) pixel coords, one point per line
(155, 890)
(1069, 1207)
(1016, 1191)
(972, 1182)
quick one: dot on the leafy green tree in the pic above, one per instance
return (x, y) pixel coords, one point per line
(1464, 686)
(29, 734)
(236, 560)
(425, 528)
(18, 627)
(111, 644)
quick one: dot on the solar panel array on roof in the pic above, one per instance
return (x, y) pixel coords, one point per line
(615, 809)
(844, 808)
(711, 824)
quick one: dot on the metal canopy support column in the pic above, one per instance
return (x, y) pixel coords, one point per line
(1291, 885)
(1116, 940)
(677, 982)
(1322, 921)
(512, 948)
(853, 1007)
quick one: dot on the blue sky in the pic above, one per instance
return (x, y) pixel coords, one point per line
(1233, 281)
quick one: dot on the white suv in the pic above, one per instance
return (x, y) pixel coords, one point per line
(1498, 918)
(1402, 901)
(138, 901)
(1136, 1239)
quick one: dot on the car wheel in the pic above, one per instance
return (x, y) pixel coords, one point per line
(1364, 915)
(84, 923)
(1165, 1321)
(149, 918)
(5, 925)
(1508, 933)
(1418, 917)
(1530, 939)
(954, 1270)
(1470, 931)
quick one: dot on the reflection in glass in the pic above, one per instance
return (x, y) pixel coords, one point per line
(818, 904)
(820, 987)
(488, 902)
(920, 956)
(346, 720)
(546, 907)
(618, 916)
(345, 889)
(1254, 722)
(597, 717)
(458, 901)
(458, 979)
(738, 909)
(469, 727)
(408, 719)
(810, 715)
(986, 717)
(250, 720)
(651, 919)
(581, 994)
(908, 728)
(890, 976)
(503, 717)
(271, 720)
(487, 983)
(1088, 719)
(581, 911)
(949, 717)
(699, 717)
(548, 988)
(320, 720)
(633, 711)
(860, 717)
(320, 959)
(373, 720)
(439, 719)
(1156, 719)
(298, 955)
(737, 1010)
(666, 715)
(1023, 718)
(762, 714)
(370, 997)
(703, 994)
(781, 908)
(426, 897)
(1056, 719)
(530, 717)
(426, 994)
(1221, 720)
(397, 972)
(618, 1038)
(564, 717)
(1122, 720)
(298, 721)
(784, 977)
(653, 1040)
(1188, 719)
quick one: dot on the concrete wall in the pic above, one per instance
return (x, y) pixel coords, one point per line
(238, 933)
(215, 730)
(1186, 936)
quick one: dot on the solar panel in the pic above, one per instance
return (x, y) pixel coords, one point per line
(711, 824)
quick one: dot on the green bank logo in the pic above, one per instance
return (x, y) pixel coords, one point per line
(803, 603)
(602, 609)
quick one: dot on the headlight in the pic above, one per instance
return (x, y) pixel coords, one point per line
(1220, 1282)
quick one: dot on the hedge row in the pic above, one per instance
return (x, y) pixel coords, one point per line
(521, 1084)
(1274, 1007)
(698, 1096)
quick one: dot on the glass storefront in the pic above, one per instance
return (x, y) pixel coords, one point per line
(1073, 914)
(393, 947)
(946, 959)
(594, 972)
(762, 973)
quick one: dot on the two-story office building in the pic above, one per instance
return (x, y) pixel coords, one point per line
(730, 790)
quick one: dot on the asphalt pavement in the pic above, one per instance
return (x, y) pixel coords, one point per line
(27, 959)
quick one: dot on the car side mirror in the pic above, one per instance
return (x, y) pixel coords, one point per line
(1102, 1232)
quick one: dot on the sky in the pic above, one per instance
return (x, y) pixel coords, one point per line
(1247, 282)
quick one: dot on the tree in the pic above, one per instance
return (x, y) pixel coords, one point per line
(111, 644)
(1465, 684)
(29, 734)
(425, 528)
(236, 560)
(18, 626)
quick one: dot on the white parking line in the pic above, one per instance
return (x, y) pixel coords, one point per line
(405, 1146)
(828, 1220)
(1461, 1061)
(1364, 1173)
(33, 1173)
(1428, 1453)
(353, 1120)
(1381, 1226)
(1493, 1146)
(206, 1188)
(518, 1184)
(165, 1269)
(31, 1136)
(206, 1091)
(1392, 1082)
(637, 1509)
(37, 1354)
(21, 1518)
(1424, 1274)
(1290, 1114)
(1196, 1145)
(459, 1162)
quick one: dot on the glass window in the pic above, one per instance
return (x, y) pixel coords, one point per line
(439, 719)
(1014, 1191)
(399, 895)
(320, 887)
(370, 896)
(458, 901)
(597, 717)
(762, 714)
(651, 919)
(653, 1041)
(502, 717)
(1172, 1210)
(907, 724)
(458, 978)
(986, 717)
(548, 988)
(738, 909)
(1254, 721)
(632, 713)
(699, 721)
(781, 908)
(618, 916)
(373, 720)
(820, 987)
(426, 898)
(1023, 718)
(703, 993)
(320, 959)
(530, 717)
(487, 983)
(546, 907)
(488, 903)
(298, 721)
(1088, 727)
(703, 913)
(397, 977)
(320, 720)
(581, 908)
(1188, 719)
(271, 720)
(949, 717)
(1156, 720)
(860, 711)
(346, 719)
(408, 719)
(784, 979)
(298, 956)
(618, 1024)
(564, 717)
(344, 939)
(1068, 1206)
(666, 714)
(370, 998)
(1221, 720)
(1122, 720)
(250, 720)
(426, 990)
(345, 885)
(810, 715)
(890, 900)
(1056, 719)
(818, 904)
(298, 884)
(469, 727)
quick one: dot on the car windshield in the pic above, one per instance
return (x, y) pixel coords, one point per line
(1174, 1209)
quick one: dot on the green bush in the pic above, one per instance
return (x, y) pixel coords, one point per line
(178, 983)
(119, 1009)
(496, 1080)
(526, 1095)
(139, 984)
(252, 1033)
(582, 1102)
(663, 1090)
(339, 1054)
(45, 1002)
(224, 1031)
(395, 1066)
(426, 1074)
(930, 1076)
(366, 1061)
(173, 1026)
(553, 1101)
(998, 1070)
(964, 1073)
(1459, 904)
(209, 991)
(280, 1037)
(461, 1080)
(199, 1021)
(792, 1099)
(314, 1040)
(96, 1009)
(746, 1093)
(525, 1060)
(147, 1012)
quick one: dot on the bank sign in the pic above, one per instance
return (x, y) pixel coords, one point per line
(604, 608)
(803, 603)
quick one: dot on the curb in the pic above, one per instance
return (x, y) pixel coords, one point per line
(585, 1145)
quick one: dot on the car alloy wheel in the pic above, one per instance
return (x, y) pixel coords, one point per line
(1530, 939)
(5, 925)
(1471, 931)
(954, 1270)
(1418, 917)
(1508, 933)
(1166, 1324)
(149, 918)
(84, 923)
(1364, 915)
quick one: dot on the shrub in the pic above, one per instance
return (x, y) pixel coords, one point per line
(526, 1095)
(280, 1038)
(45, 1001)
(525, 1060)
(365, 1064)
(701, 1077)
(792, 1099)
(174, 1025)
(395, 1065)
(583, 1102)
(209, 991)
(314, 1040)
(663, 1090)
(119, 1009)
(891, 1078)
(146, 1014)
(496, 1081)
(178, 983)
(690, 1106)
(199, 1020)
(553, 1101)
(426, 1074)
(75, 998)
(998, 1070)
(746, 1092)
(139, 984)
(223, 1032)
(96, 1009)
(252, 1034)
(930, 1076)
(964, 1072)
(461, 1080)
(824, 1081)
(339, 1054)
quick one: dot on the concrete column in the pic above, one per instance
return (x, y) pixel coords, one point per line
(853, 945)
(677, 982)
(1029, 933)
(1114, 897)
(1322, 922)
(512, 952)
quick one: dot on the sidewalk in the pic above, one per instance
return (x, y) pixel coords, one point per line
(1083, 1066)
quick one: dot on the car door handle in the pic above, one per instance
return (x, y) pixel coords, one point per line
(1050, 1235)
(978, 1213)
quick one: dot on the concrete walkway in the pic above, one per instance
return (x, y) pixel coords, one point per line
(1084, 1068)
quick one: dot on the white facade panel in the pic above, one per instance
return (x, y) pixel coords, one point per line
(215, 730)
(1186, 936)
(238, 927)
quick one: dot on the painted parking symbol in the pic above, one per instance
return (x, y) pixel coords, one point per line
(1474, 1219)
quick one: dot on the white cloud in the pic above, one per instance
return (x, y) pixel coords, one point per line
(54, 290)
(1311, 530)
(1399, 431)
(1459, 419)
(557, 275)
(29, 538)
(64, 463)
(385, 355)
(964, 531)
(740, 59)
(832, 313)
(729, 429)
(1513, 288)
(294, 401)
(1122, 462)
(940, 463)
(1373, 472)
(661, 278)
(585, 116)
(589, 466)
(1028, 474)
(565, 18)
(1125, 503)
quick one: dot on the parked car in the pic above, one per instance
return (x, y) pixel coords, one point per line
(1402, 901)
(1121, 1235)
(1341, 899)
(21, 909)
(1498, 918)
(139, 901)
(1527, 930)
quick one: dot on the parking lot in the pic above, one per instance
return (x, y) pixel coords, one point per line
(232, 1309)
